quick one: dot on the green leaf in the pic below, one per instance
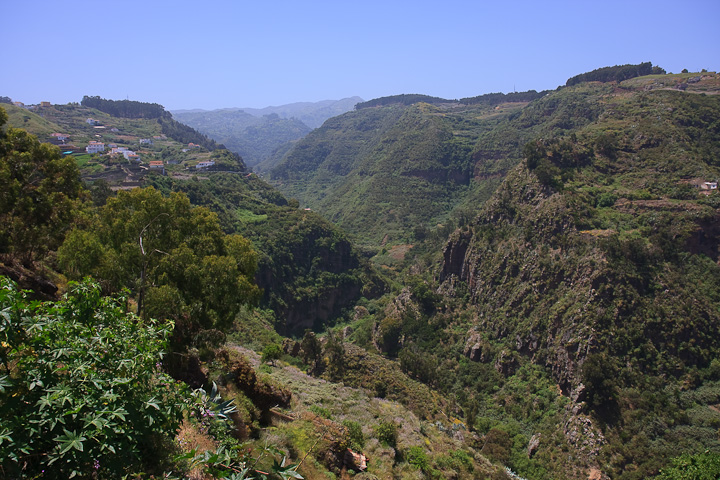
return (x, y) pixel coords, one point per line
(70, 440)
(4, 383)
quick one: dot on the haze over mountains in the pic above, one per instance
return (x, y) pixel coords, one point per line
(256, 133)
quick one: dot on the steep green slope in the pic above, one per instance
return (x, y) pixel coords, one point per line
(597, 260)
(308, 269)
(379, 172)
(395, 166)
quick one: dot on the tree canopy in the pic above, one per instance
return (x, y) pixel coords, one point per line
(125, 108)
(39, 193)
(174, 257)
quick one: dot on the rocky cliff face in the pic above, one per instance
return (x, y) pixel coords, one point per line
(531, 278)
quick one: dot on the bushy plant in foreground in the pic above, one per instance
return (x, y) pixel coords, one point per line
(81, 392)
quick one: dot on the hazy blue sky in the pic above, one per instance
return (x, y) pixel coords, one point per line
(214, 54)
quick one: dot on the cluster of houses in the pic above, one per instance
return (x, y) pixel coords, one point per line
(95, 146)
(127, 153)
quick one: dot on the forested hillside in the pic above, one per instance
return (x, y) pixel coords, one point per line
(400, 168)
(514, 285)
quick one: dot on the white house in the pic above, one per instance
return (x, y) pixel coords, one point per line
(205, 164)
(91, 121)
(95, 147)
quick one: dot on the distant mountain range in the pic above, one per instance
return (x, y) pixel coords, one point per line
(256, 133)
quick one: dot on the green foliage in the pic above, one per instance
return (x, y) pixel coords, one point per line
(387, 433)
(355, 434)
(599, 375)
(173, 256)
(701, 466)
(237, 464)
(305, 264)
(39, 194)
(82, 393)
(417, 457)
(402, 99)
(618, 73)
(311, 352)
(272, 353)
(125, 108)
(334, 353)
(497, 445)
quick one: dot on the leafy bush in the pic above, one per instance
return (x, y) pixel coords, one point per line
(416, 456)
(387, 433)
(357, 439)
(81, 392)
(272, 353)
(607, 199)
(702, 466)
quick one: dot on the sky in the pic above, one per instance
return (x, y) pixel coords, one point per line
(220, 54)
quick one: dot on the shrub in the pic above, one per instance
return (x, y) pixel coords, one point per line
(272, 353)
(81, 392)
(387, 433)
(355, 433)
(417, 457)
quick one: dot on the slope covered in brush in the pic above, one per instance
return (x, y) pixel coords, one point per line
(597, 259)
(383, 172)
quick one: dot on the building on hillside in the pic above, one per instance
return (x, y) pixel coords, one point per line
(91, 121)
(146, 141)
(117, 149)
(95, 147)
(133, 157)
(19, 104)
(45, 104)
(156, 164)
(114, 130)
(205, 164)
(62, 137)
(112, 145)
(193, 145)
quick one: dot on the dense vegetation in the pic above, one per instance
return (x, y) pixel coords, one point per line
(307, 268)
(39, 190)
(393, 173)
(125, 108)
(618, 73)
(551, 306)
